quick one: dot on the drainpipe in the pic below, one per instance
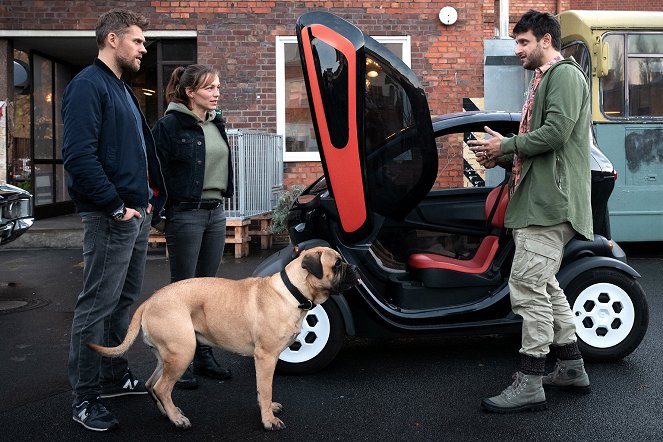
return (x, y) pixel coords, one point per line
(504, 19)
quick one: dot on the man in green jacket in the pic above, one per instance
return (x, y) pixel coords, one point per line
(549, 204)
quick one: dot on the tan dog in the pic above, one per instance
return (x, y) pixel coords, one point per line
(257, 317)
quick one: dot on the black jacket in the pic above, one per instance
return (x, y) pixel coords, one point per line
(181, 149)
(102, 150)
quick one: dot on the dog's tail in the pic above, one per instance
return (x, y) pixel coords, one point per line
(132, 332)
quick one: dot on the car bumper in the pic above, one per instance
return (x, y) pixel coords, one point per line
(13, 229)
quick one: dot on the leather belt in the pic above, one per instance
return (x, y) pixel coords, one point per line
(202, 204)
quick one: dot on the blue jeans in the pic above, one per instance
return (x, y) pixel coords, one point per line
(114, 263)
(195, 240)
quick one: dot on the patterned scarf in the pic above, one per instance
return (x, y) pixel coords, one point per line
(526, 119)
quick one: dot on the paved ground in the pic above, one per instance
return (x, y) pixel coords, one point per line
(398, 389)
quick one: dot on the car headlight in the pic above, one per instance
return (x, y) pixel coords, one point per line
(17, 209)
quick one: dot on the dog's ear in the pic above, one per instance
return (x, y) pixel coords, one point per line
(313, 263)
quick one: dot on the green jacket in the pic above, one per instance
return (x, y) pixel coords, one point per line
(555, 185)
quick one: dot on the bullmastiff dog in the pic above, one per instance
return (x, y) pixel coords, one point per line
(257, 317)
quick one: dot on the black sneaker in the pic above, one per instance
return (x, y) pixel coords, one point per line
(94, 416)
(127, 385)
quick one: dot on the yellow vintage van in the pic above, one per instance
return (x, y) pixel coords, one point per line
(622, 55)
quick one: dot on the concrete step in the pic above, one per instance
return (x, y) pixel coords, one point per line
(58, 232)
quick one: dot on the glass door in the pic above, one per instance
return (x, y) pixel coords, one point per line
(49, 78)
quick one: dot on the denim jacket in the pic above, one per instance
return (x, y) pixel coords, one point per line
(181, 148)
(102, 150)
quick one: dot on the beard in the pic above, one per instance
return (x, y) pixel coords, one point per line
(534, 60)
(128, 64)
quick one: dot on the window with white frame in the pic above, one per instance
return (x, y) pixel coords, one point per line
(293, 119)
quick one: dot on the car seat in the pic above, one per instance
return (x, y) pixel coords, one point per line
(421, 264)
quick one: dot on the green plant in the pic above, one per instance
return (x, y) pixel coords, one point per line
(280, 213)
(25, 185)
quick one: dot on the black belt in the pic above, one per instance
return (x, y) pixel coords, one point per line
(202, 204)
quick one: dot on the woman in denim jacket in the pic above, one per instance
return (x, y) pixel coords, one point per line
(195, 156)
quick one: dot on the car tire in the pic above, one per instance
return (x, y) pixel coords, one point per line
(318, 342)
(611, 313)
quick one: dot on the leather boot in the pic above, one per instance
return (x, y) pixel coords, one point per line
(569, 375)
(526, 393)
(188, 381)
(205, 364)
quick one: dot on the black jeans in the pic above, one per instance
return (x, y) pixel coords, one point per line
(195, 240)
(114, 263)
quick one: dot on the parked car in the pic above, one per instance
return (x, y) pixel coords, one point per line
(15, 212)
(431, 260)
(604, 176)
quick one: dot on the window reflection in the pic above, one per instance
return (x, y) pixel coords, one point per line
(645, 75)
(299, 132)
(580, 54)
(612, 85)
(43, 107)
(333, 69)
(634, 83)
(299, 135)
(388, 109)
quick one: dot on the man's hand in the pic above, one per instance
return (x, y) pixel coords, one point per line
(487, 151)
(131, 213)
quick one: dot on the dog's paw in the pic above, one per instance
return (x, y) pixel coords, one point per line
(182, 422)
(158, 403)
(276, 408)
(273, 424)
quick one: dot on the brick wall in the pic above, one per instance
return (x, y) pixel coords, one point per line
(628, 5)
(239, 38)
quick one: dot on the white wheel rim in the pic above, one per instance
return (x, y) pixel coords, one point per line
(604, 315)
(312, 338)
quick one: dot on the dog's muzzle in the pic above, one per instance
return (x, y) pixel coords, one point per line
(347, 278)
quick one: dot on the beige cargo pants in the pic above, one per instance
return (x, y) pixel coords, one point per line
(535, 292)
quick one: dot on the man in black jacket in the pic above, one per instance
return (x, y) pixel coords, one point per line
(110, 157)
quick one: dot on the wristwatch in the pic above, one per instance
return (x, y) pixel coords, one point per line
(119, 213)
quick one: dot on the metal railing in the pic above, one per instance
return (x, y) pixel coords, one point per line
(257, 172)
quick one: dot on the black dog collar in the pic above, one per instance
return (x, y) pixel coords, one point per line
(304, 302)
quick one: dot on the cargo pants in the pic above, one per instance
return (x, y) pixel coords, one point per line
(535, 293)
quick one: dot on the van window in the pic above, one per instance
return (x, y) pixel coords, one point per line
(645, 75)
(612, 85)
(635, 76)
(580, 54)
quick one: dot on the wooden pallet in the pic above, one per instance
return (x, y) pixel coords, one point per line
(260, 227)
(237, 232)
(156, 238)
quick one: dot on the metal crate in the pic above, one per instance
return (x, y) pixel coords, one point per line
(257, 172)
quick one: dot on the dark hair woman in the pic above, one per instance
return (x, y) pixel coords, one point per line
(195, 158)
